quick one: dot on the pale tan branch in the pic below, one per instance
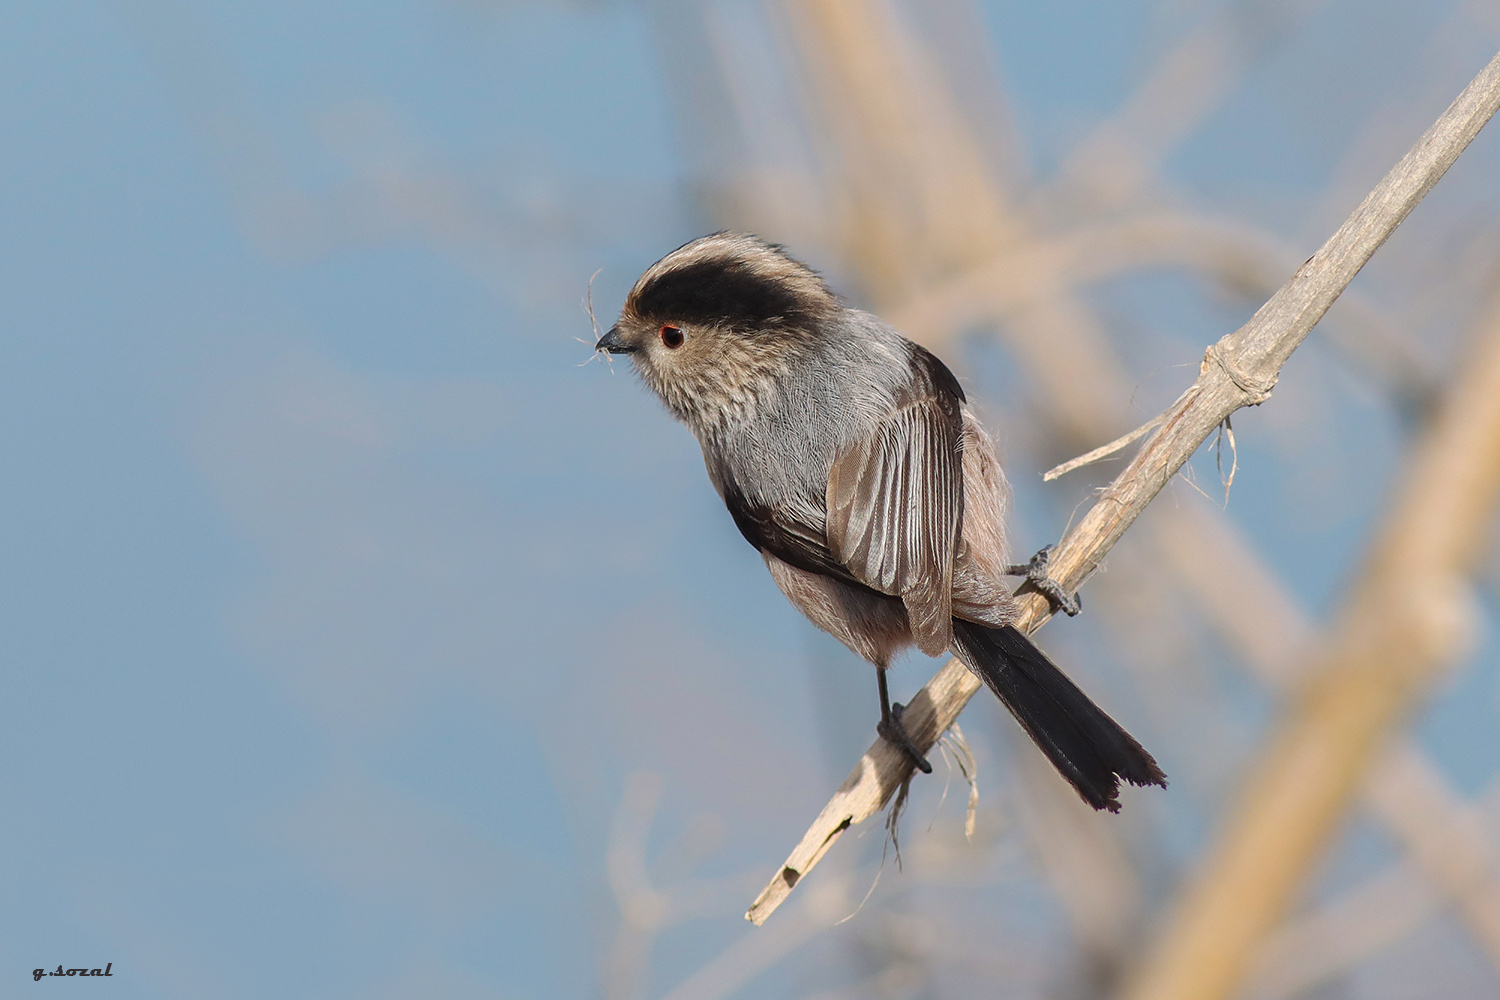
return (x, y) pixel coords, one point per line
(1447, 837)
(1363, 922)
(1238, 371)
(918, 197)
(1452, 859)
(1402, 623)
(1101, 452)
(1449, 859)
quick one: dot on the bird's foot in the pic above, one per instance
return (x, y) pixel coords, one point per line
(893, 732)
(1035, 573)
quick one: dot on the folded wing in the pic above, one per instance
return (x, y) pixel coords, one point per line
(895, 509)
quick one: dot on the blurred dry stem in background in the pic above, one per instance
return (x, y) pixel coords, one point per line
(1238, 371)
(896, 168)
(1400, 625)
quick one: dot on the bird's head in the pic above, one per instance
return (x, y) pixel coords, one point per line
(711, 325)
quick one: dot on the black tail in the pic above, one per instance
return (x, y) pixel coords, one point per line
(1087, 746)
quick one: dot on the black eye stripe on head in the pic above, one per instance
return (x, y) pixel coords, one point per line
(717, 291)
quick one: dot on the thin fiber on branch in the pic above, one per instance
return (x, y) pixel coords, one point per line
(1240, 370)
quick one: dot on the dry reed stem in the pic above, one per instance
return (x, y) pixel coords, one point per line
(1102, 452)
(1397, 629)
(1238, 371)
(1385, 907)
(919, 197)
(1234, 590)
(1446, 836)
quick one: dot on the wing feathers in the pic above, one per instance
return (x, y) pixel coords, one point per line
(895, 506)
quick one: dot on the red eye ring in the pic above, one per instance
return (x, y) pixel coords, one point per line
(671, 336)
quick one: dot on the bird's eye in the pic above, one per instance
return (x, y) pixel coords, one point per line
(671, 336)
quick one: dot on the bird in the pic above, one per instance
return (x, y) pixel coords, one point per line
(851, 459)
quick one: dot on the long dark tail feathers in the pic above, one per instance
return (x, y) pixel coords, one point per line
(1090, 749)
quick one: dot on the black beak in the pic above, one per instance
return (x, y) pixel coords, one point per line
(612, 343)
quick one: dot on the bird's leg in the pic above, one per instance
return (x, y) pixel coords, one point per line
(891, 730)
(1035, 573)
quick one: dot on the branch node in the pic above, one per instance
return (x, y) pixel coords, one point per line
(1256, 390)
